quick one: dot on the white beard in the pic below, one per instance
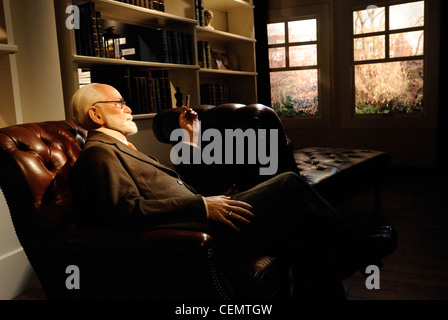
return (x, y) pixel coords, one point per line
(126, 127)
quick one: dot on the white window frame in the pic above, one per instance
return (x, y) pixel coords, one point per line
(322, 15)
(425, 119)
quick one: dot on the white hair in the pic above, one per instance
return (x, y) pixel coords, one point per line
(82, 100)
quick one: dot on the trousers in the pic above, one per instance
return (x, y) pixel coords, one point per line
(293, 221)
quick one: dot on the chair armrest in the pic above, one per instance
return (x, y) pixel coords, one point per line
(148, 265)
(154, 240)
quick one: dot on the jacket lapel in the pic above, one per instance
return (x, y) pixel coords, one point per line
(107, 139)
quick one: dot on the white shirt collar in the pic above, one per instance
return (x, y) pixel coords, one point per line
(115, 134)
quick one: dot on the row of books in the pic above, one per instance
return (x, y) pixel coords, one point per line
(214, 94)
(144, 91)
(154, 45)
(136, 42)
(204, 55)
(199, 12)
(84, 77)
(89, 37)
(158, 5)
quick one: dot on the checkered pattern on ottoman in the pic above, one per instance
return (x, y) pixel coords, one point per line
(340, 173)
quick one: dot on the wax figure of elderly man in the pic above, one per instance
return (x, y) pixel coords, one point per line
(115, 186)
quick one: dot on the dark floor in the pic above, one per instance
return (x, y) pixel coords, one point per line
(414, 203)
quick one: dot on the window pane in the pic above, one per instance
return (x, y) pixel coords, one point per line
(368, 48)
(277, 58)
(393, 87)
(276, 33)
(407, 15)
(300, 56)
(302, 30)
(369, 20)
(406, 44)
(295, 92)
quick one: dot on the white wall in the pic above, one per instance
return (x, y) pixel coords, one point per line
(39, 72)
(40, 86)
(16, 273)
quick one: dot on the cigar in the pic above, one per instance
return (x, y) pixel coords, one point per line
(188, 114)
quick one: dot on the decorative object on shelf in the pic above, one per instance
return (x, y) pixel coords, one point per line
(221, 59)
(208, 17)
(112, 43)
(233, 60)
(179, 98)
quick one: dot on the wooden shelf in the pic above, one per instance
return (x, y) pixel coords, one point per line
(228, 5)
(87, 61)
(228, 72)
(206, 34)
(8, 48)
(132, 14)
(233, 33)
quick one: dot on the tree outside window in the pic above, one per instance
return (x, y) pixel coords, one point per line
(388, 57)
(293, 62)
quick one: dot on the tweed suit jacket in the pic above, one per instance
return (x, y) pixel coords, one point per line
(116, 186)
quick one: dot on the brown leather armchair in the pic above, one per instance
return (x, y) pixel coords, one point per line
(35, 161)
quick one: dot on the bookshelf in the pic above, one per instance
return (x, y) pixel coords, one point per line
(9, 89)
(232, 33)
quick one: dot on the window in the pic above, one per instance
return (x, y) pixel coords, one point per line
(294, 67)
(388, 58)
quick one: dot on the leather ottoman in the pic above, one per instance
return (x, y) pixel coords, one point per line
(339, 173)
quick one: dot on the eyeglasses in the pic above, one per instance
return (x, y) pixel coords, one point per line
(121, 103)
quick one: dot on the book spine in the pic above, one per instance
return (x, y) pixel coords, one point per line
(86, 31)
(208, 55)
(196, 11)
(202, 55)
(166, 79)
(175, 49)
(136, 95)
(128, 88)
(143, 88)
(166, 46)
(150, 92)
(184, 59)
(79, 42)
(99, 30)
(201, 13)
(188, 49)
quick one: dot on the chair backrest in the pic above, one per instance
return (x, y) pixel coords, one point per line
(35, 161)
(233, 116)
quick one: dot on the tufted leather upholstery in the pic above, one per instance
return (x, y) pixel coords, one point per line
(341, 173)
(35, 161)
